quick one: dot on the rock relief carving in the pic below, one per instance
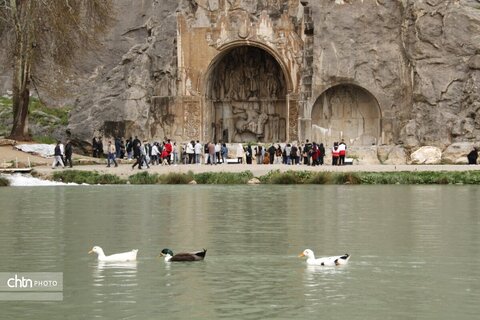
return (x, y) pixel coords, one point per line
(192, 120)
(293, 122)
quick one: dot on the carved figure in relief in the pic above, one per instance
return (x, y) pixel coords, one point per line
(213, 5)
(262, 119)
(233, 4)
(251, 81)
(249, 119)
(275, 126)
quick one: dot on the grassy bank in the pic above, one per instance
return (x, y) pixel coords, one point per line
(426, 177)
(89, 177)
(274, 177)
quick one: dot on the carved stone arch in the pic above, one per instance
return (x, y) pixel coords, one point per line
(246, 91)
(226, 48)
(346, 111)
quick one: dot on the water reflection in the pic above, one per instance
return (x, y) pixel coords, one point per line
(115, 282)
(325, 285)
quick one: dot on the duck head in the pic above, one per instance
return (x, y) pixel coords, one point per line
(167, 253)
(97, 250)
(307, 253)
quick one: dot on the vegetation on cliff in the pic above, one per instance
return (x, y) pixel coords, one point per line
(46, 124)
(49, 34)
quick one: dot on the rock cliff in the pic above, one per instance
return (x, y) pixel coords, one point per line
(419, 60)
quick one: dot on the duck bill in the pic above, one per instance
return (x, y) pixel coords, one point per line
(301, 255)
(161, 255)
(91, 251)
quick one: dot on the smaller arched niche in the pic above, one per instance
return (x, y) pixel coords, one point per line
(346, 112)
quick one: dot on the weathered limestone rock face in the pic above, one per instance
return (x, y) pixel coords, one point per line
(456, 153)
(362, 78)
(372, 72)
(427, 155)
(363, 155)
(443, 45)
(392, 154)
(118, 100)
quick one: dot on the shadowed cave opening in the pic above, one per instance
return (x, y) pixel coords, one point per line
(346, 112)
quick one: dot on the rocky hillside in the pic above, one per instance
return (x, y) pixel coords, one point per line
(419, 57)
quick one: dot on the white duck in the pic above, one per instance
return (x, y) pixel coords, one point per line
(324, 261)
(118, 257)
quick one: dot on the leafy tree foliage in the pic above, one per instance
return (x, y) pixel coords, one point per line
(42, 33)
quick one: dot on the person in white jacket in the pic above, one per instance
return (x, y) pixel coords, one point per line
(190, 151)
(240, 153)
(198, 152)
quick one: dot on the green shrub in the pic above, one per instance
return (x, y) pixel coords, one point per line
(88, 177)
(176, 178)
(143, 178)
(277, 177)
(320, 178)
(223, 177)
(345, 178)
(4, 182)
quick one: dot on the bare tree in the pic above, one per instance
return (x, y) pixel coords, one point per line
(46, 32)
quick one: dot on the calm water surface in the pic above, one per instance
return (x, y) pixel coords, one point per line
(415, 251)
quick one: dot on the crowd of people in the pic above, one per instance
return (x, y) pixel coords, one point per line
(146, 153)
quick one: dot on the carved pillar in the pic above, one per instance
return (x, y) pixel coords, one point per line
(292, 105)
(304, 129)
(192, 118)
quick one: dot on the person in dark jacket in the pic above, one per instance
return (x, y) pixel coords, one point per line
(57, 156)
(307, 150)
(129, 148)
(473, 156)
(118, 143)
(100, 147)
(68, 153)
(321, 149)
(271, 152)
(248, 154)
(137, 155)
(94, 147)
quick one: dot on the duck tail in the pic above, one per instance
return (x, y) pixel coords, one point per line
(342, 259)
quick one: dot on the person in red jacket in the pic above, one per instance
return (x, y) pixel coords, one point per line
(168, 148)
(335, 154)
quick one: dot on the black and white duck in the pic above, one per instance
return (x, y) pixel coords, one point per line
(324, 261)
(183, 256)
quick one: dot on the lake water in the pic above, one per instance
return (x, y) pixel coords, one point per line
(415, 251)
